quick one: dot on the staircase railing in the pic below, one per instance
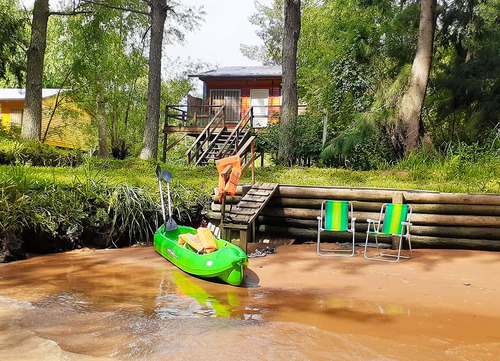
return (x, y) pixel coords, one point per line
(204, 139)
(234, 140)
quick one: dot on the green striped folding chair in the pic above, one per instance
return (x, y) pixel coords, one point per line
(335, 218)
(394, 220)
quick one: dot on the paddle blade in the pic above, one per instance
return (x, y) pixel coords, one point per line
(167, 176)
(170, 225)
(158, 171)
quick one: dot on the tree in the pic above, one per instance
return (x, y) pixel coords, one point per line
(157, 12)
(159, 9)
(32, 119)
(412, 128)
(290, 103)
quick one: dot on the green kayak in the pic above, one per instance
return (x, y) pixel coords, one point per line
(226, 263)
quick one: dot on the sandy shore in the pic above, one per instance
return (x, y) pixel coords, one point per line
(441, 304)
(458, 280)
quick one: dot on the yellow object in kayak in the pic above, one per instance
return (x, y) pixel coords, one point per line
(202, 242)
(207, 239)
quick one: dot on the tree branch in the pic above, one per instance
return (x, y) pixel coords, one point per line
(118, 7)
(69, 13)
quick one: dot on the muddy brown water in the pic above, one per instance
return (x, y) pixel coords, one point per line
(133, 305)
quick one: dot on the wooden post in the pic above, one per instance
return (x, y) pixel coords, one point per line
(165, 135)
(252, 147)
(165, 142)
(325, 128)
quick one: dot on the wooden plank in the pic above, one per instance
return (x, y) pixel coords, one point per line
(252, 203)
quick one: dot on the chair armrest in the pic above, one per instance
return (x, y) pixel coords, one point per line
(406, 223)
(353, 219)
(369, 220)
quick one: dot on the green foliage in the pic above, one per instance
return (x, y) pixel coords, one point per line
(50, 216)
(13, 44)
(270, 20)
(464, 101)
(37, 154)
(305, 149)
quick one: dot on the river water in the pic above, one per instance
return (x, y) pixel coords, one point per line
(133, 305)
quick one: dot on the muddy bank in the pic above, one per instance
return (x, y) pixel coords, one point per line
(132, 304)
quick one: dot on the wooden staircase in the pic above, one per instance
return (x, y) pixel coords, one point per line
(238, 225)
(217, 140)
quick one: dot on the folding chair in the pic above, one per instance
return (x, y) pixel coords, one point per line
(335, 217)
(394, 220)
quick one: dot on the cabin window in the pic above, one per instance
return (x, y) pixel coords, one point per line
(231, 98)
(16, 118)
(259, 100)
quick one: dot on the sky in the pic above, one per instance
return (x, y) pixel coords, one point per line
(218, 40)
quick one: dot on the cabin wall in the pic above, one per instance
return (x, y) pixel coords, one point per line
(245, 85)
(7, 106)
(69, 127)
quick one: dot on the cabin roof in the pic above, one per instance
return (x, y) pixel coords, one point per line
(19, 94)
(241, 72)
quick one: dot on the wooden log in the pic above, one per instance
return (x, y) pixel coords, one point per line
(417, 241)
(457, 232)
(217, 207)
(488, 210)
(455, 220)
(309, 234)
(301, 223)
(316, 203)
(381, 195)
(457, 243)
(471, 209)
(450, 232)
(453, 198)
(305, 213)
(229, 199)
(417, 219)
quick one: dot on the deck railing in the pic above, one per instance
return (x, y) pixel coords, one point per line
(189, 116)
(203, 142)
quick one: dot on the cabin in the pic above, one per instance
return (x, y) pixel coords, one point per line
(235, 99)
(65, 123)
(239, 88)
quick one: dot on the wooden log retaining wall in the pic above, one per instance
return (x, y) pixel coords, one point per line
(440, 220)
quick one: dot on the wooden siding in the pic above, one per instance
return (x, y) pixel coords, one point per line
(245, 85)
(69, 128)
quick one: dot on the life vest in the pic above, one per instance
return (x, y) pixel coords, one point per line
(230, 186)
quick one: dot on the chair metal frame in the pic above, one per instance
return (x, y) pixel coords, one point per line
(350, 229)
(404, 233)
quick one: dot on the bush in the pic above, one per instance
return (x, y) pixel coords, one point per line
(37, 154)
(45, 216)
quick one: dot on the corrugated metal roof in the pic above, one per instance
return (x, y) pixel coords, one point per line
(241, 72)
(19, 94)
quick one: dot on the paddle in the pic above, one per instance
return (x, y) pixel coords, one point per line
(170, 225)
(158, 174)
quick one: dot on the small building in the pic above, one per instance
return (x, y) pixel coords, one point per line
(240, 87)
(64, 122)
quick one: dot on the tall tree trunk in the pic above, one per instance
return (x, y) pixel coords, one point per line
(32, 119)
(102, 128)
(290, 104)
(413, 100)
(159, 10)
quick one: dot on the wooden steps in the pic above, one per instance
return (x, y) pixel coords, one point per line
(252, 203)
